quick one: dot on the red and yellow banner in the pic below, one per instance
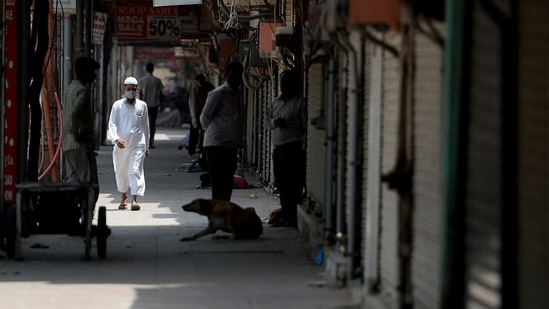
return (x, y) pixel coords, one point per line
(11, 105)
(141, 21)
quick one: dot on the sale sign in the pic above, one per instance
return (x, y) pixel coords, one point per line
(10, 104)
(98, 28)
(140, 21)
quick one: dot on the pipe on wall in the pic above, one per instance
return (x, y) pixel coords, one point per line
(373, 204)
(67, 50)
(351, 160)
(341, 110)
(400, 178)
(452, 272)
(329, 160)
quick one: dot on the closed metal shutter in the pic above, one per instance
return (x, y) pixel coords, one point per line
(250, 99)
(265, 151)
(315, 137)
(389, 273)
(533, 153)
(256, 104)
(483, 167)
(427, 225)
(341, 143)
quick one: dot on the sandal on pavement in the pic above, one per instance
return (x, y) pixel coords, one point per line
(123, 203)
(135, 207)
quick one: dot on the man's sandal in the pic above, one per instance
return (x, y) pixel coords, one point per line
(135, 207)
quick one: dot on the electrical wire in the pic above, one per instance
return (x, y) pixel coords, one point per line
(232, 21)
(58, 150)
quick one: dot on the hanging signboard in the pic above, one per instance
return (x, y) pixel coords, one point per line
(62, 7)
(11, 105)
(137, 21)
(99, 27)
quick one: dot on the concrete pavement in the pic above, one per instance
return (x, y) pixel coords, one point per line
(148, 267)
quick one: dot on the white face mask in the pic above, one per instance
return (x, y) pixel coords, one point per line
(130, 94)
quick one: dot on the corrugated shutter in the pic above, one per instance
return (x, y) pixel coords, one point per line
(389, 199)
(256, 100)
(483, 167)
(427, 228)
(341, 146)
(357, 42)
(315, 137)
(533, 137)
(251, 100)
(265, 153)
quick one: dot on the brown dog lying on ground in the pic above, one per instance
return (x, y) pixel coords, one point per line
(226, 216)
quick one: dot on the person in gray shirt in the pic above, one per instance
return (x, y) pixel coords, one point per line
(150, 91)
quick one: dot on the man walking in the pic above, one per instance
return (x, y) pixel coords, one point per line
(129, 129)
(150, 91)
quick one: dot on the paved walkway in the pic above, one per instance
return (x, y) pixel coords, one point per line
(148, 267)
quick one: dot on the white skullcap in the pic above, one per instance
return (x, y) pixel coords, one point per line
(130, 81)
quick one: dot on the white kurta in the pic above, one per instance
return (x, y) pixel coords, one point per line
(131, 124)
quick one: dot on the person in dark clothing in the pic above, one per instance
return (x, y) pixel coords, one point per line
(286, 116)
(223, 119)
(197, 94)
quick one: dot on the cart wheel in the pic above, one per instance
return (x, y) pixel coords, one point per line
(10, 231)
(102, 232)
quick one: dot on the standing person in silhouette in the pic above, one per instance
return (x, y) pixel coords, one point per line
(286, 116)
(78, 144)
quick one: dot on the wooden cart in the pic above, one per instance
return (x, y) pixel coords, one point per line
(56, 208)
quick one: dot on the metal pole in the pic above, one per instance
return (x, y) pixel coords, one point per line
(88, 27)
(331, 133)
(452, 119)
(79, 37)
(67, 50)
